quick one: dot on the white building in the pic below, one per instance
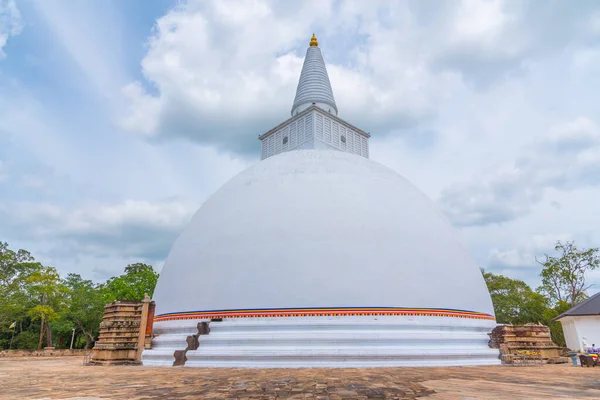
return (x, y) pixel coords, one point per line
(581, 324)
(318, 256)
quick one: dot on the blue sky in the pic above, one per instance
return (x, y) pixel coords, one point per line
(119, 118)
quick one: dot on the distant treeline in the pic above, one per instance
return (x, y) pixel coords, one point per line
(40, 308)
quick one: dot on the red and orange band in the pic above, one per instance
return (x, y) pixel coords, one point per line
(323, 312)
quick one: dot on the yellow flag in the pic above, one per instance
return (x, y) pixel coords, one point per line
(12, 325)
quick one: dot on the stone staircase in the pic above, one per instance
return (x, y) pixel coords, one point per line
(320, 342)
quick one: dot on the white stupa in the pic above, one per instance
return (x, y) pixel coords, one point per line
(319, 257)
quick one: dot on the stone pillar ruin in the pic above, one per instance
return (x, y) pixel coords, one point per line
(512, 339)
(125, 330)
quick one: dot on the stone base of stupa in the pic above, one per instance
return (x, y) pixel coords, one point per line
(313, 342)
(532, 339)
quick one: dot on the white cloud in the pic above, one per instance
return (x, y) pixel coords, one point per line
(216, 73)
(568, 157)
(128, 229)
(525, 255)
(144, 110)
(482, 24)
(221, 77)
(11, 23)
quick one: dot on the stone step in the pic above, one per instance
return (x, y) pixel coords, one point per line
(310, 338)
(283, 324)
(346, 362)
(321, 356)
(330, 351)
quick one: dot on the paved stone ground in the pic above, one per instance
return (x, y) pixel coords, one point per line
(67, 378)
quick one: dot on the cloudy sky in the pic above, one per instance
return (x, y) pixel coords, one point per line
(119, 118)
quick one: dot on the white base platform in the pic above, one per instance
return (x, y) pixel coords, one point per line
(330, 342)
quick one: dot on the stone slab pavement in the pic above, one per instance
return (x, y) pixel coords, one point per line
(68, 378)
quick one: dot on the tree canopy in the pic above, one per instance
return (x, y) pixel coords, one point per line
(138, 280)
(514, 301)
(563, 276)
(517, 304)
(40, 308)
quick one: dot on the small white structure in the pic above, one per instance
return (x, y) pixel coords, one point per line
(581, 324)
(319, 257)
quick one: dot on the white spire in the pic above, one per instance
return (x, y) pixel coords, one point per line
(314, 86)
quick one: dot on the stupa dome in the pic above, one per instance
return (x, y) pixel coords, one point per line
(318, 256)
(319, 229)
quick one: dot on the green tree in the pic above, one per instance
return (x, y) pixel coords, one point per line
(556, 330)
(138, 279)
(45, 287)
(45, 314)
(15, 268)
(85, 306)
(563, 277)
(514, 301)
